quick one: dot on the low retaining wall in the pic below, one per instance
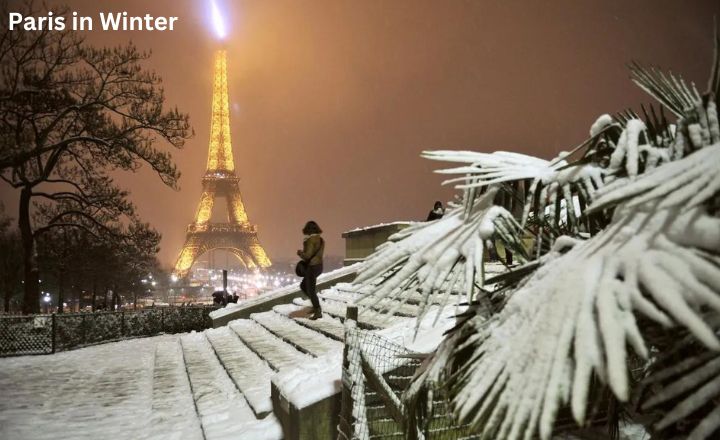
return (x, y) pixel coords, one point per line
(285, 295)
(315, 422)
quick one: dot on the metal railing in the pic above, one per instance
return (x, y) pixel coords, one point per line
(376, 374)
(46, 334)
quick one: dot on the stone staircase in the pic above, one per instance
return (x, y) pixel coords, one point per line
(216, 385)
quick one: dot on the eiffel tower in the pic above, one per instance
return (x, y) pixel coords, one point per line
(237, 235)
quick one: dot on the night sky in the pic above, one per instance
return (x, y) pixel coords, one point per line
(332, 101)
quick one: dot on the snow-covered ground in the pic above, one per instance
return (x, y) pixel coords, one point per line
(92, 393)
(214, 384)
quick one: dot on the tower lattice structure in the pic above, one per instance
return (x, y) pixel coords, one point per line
(236, 235)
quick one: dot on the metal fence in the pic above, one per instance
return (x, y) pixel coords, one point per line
(376, 374)
(45, 334)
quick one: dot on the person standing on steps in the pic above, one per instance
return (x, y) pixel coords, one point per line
(437, 212)
(312, 255)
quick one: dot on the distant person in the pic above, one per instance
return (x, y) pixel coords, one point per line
(219, 298)
(234, 299)
(437, 212)
(312, 259)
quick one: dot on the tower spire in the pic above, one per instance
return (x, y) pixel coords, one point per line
(220, 156)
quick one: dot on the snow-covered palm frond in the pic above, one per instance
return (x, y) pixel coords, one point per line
(553, 185)
(684, 183)
(559, 191)
(574, 317)
(491, 168)
(437, 259)
(684, 386)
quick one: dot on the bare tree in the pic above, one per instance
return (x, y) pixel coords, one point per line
(71, 114)
(10, 264)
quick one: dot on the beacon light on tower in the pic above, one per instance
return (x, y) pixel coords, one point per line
(217, 20)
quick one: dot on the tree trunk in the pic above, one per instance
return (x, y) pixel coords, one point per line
(61, 289)
(135, 295)
(6, 300)
(31, 299)
(94, 294)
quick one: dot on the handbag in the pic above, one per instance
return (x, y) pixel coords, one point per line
(301, 268)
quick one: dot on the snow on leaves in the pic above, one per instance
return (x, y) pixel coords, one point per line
(577, 314)
(438, 258)
(687, 183)
(553, 182)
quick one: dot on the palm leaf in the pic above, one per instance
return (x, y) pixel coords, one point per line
(554, 189)
(687, 183)
(669, 89)
(573, 318)
(440, 260)
(684, 388)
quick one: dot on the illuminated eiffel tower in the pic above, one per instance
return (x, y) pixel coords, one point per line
(237, 235)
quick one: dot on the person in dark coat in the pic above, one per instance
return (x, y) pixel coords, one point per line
(219, 298)
(312, 253)
(437, 212)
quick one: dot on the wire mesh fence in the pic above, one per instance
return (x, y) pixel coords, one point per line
(45, 334)
(21, 335)
(376, 374)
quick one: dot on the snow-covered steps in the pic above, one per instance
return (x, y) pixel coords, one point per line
(367, 318)
(452, 299)
(397, 307)
(275, 351)
(302, 338)
(224, 413)
(250, 373)
(326, 325)
(173, 411)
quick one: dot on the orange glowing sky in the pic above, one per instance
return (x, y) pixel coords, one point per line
(333, 100)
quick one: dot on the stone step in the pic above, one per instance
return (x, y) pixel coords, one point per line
(304, 339)
(224, 413)
(269, 347)
(367, 319)
(397, 307)
(384, 426)
(418, 298)
(250, 373)
(174, 416)
(326, 325)
(398, 436)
